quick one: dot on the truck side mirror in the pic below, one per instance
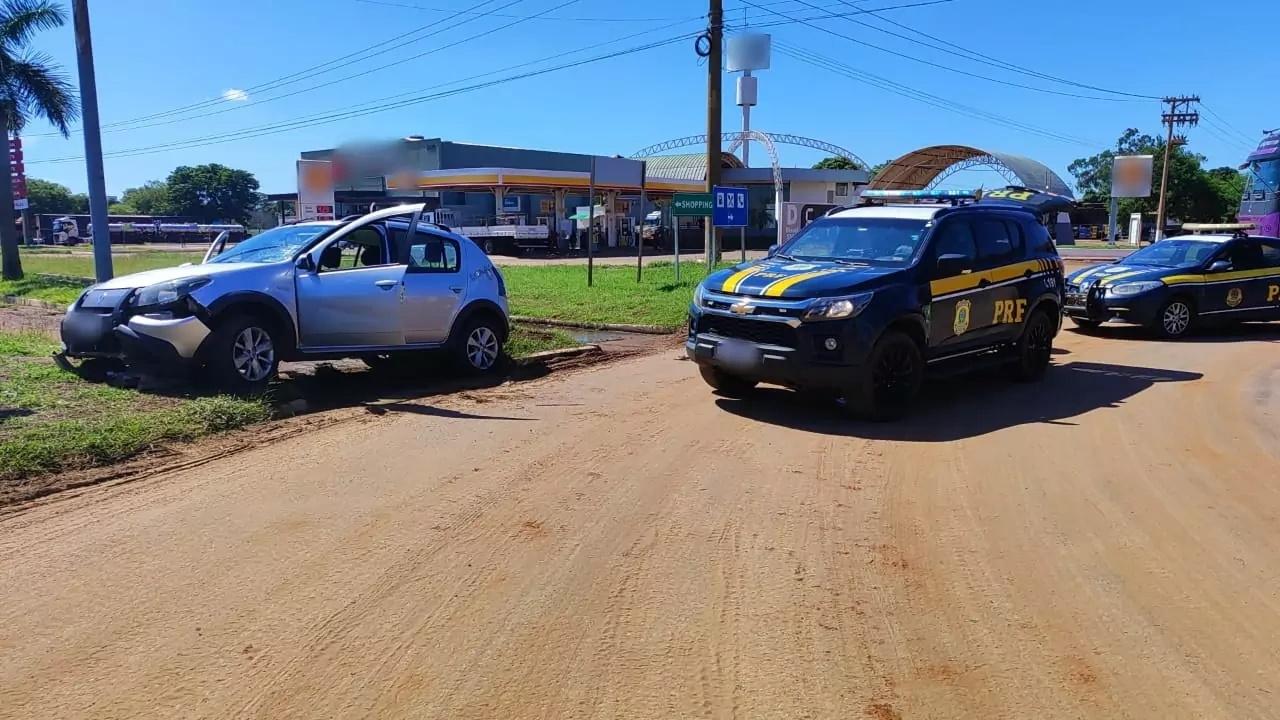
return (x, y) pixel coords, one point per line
(952, 264)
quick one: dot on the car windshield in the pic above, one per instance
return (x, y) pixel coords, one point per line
(274, 245)
(1174, 253)
(874, 241)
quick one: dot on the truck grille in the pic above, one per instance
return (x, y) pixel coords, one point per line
(757, 331)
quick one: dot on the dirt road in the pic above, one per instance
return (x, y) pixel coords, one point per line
(621, 543)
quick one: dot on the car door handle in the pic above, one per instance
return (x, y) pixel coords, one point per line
(983, 282)
(386, 284)
(456, 290)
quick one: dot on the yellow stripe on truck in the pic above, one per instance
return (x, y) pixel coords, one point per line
(733, 281)
(777, 287)
(957, 283)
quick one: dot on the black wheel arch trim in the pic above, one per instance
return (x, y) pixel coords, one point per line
(248, 299)
(474, 308)
(915, 320)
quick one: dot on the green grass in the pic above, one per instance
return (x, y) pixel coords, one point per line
(525, 340)
(51, 420)
(560, 292)
(80, 264)
(55, 290)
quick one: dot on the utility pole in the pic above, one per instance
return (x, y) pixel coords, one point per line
(92, 143)
(1179, 113)
(715, 38)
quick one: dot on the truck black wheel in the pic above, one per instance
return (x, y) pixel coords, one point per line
(1174, 319)
(242, 355)
(726, 384)
(1035, 347)
(891, 380)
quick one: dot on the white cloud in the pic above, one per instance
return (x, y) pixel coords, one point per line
(235, 95)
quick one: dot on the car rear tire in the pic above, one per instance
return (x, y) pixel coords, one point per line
(1035, 347)
(726, 384)
(242, 355)
(1174, 319)
(478, 348)
(887, 387)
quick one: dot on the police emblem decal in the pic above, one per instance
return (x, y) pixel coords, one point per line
(961, 323)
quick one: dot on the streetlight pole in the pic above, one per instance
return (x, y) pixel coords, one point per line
(102, 269)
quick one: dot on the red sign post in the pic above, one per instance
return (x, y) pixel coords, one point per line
(17, 172)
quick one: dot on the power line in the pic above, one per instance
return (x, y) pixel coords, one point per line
(337, 62)
(989, 59)
(334, 117)
(375, 101)
(922, 61)
(409, 6)
(827, 15)
(1232, 128)
(330, 83)
(900, 89)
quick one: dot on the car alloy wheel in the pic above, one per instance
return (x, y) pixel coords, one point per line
(253, 355)
(482, 348)
(1176, 318)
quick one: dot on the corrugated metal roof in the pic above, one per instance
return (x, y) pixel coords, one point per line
(918, 168)
(691, 166)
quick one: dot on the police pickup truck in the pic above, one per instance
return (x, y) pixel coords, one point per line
(864, 300)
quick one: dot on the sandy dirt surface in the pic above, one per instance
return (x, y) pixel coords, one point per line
(619, 542)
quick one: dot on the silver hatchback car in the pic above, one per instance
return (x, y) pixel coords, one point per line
(374, 287)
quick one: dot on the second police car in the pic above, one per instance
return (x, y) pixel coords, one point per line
(1180, 282)
(862, 301)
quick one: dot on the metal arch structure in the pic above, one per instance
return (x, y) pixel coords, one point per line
(776, 138)
(734, 139)
(980, 161)
(927, 166)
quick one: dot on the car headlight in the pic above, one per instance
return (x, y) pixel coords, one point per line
(835, 308)
(1134, 288)
(698, 293)
(168, 292)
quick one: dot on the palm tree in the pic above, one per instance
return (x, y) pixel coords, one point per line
(31, 85)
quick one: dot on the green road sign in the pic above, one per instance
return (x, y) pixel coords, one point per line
(692, 205)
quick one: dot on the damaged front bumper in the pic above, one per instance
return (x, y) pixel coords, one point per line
(103, 325)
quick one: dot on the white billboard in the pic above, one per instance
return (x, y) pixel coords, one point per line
(1131, 176)
(315, 190)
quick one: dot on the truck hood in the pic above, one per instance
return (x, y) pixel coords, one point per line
(151, 277)
(1111, 273)
(797, 279)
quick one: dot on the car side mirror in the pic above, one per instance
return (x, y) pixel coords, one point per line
(953, 264)
(305, 263)
(773, 249)
(1219, 266)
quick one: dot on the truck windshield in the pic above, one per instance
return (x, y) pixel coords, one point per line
(1174, 253)
(274, 245)
(875, 241)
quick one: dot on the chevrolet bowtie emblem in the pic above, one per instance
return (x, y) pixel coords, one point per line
(742, 308)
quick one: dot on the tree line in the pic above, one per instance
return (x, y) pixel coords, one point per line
(207, 193)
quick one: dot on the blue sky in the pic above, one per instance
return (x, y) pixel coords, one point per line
(153, 58)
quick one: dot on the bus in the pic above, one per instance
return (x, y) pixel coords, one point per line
(1260, 204)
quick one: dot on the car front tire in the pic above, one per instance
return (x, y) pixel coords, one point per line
(1174, 319)
(726, 384)
(889, 383)
(1086, 325)
(243, 355)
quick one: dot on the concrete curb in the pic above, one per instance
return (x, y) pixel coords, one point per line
(31, 302)
(545, 355)
(619, 327)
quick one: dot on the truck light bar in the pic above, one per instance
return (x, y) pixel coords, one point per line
(919, 194)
